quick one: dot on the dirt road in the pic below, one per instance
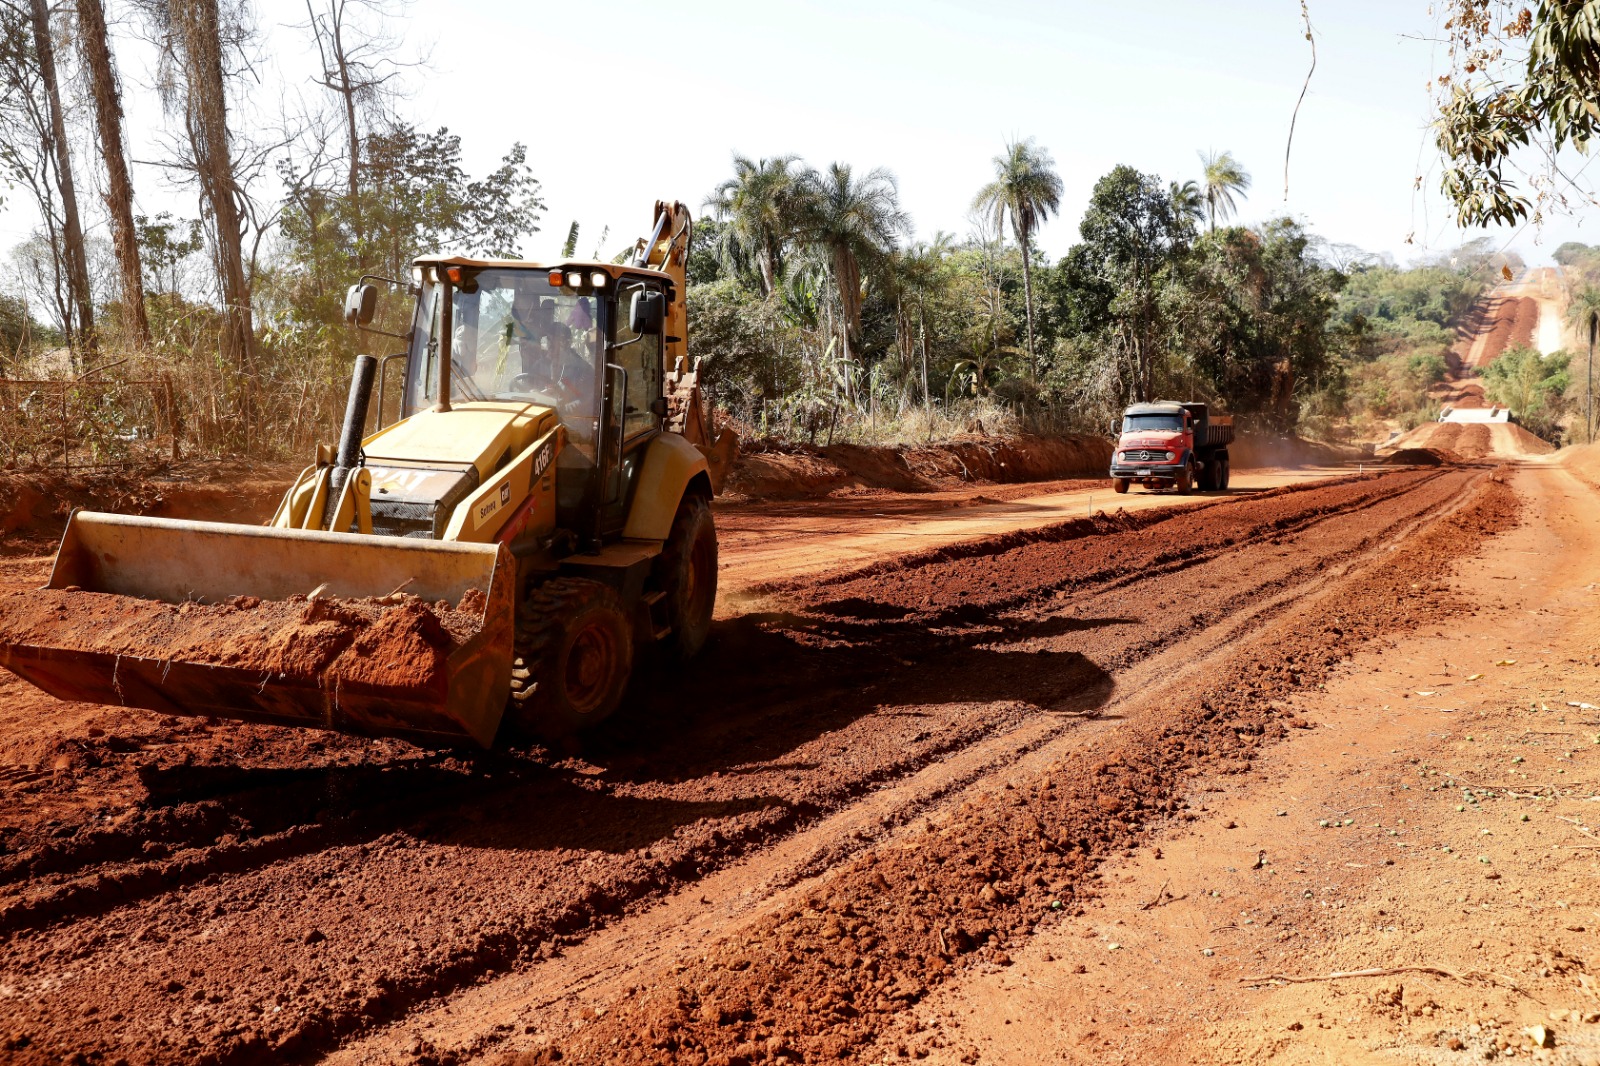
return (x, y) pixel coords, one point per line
(877, 786)
(768, 542)
(1526, 312)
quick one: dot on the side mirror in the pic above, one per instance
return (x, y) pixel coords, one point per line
(360, 304)
(659, 407)
(647, 312)
(1116, 428)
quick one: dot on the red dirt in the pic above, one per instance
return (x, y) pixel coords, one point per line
(1474, 441)
(239, 893)
(819, 982)
(322, 640)
(34, 507)
(767, 470)
(1420, 457)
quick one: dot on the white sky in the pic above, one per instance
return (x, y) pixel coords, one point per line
(624, 102)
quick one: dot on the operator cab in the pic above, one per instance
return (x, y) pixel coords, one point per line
(582, 339)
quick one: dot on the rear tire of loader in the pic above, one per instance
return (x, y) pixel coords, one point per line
(573, 657)
(686, 571)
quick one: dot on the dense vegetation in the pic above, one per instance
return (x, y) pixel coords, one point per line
(814, 304)
(1159, 297)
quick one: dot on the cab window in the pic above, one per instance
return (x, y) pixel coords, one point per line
(640, 356)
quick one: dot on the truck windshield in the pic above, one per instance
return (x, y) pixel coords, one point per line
(514, 337)
(1152, 423)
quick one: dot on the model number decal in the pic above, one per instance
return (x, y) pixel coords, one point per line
(542, 461)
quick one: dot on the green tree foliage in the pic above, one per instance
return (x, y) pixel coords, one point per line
(855, 221)
(1027, 190)
(741, 339)
(1223, 182)
(414, 196)
(759, 206)
(1250, 310)
(1133, 239)
(1534, 387)
(1381, 296)
(1519, 79)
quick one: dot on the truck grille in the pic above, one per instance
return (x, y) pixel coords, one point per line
(1146, 455)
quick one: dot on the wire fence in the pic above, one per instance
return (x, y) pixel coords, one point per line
(83, 424)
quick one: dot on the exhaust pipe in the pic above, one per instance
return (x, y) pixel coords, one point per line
(355, 422)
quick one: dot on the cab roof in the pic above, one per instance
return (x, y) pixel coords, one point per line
(615, 270)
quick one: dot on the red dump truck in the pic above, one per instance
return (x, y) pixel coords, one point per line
(1171, 445)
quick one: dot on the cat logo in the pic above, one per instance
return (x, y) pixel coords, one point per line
(491, 506)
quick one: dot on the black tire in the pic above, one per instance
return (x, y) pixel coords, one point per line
(1185, 482)
(1119, 485)
(1227, 473)
(686, 571)
(573, 657)
(1206, 477)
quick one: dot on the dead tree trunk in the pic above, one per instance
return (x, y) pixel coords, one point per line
(206, 112)
(119, 189)
(77, 260)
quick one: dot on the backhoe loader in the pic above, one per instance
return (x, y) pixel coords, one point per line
(550, 469)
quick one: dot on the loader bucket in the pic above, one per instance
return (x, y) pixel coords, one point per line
(66, 649)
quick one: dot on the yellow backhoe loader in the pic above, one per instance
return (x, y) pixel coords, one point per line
(551, 452)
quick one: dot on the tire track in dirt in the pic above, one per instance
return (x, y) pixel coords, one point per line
(558, 993)
(840, 970)
(287, 958)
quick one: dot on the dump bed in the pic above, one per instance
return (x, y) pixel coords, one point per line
(1210, 431)
(1214, 433)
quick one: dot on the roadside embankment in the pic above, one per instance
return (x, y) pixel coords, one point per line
(768, 469)
(35, 506)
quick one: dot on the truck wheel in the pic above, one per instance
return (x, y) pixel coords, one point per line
(686, 571)
(1227, 471)
(1185, 482)
(1206, 475)
(1119, 484)
(573, 656)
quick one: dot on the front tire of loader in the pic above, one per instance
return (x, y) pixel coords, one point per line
(573, 657)
(686, 571)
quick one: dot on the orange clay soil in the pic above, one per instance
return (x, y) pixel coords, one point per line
(403, 644)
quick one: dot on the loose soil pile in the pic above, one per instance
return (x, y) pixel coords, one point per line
(1584, 462)
(1420, 457)
(1469, 441)
(778, 470)
(401, 643)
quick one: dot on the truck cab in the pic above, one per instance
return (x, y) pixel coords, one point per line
(1170, 445)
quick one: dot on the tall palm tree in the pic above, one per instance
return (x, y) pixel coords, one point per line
(1187, 200)
(1585, 302)
(758, 203)
(1223, 179)
(1027, 188)
(1584, 306)
(921, 276)
(855, 221)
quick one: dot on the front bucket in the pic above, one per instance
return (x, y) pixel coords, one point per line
(46, 640)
